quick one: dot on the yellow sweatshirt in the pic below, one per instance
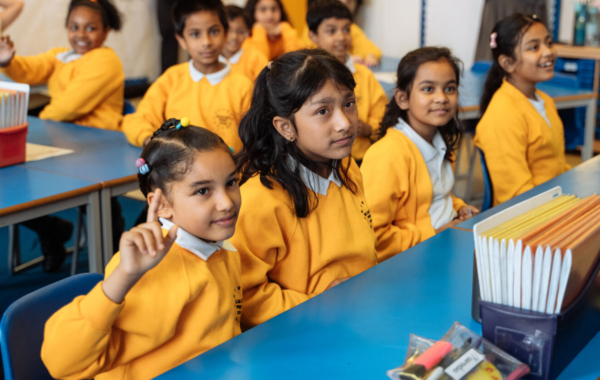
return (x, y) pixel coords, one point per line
(296, 12)
(219, 107)
(86, 91)
(178, 310)
(361, 45)
(399, 191)
(521, 150)
(287, 41)
(371, 101)
(248, 62)
(289, 259)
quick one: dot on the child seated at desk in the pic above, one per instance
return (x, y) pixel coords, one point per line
(408, 173)
(86, 82)
(271, 34)
(247, 61)
(86, 85)
(173, 291)
(300, 185)
(330, 23)
(363, 50)
(204, 88)
(520, 133)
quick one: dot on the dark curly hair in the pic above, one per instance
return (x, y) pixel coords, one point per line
(111, 18)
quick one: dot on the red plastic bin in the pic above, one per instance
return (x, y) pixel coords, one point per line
(12, 145)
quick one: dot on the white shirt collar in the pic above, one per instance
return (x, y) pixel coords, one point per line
(68, 56)
(428, 151)
(314, 181)
(350, 64)
(194, 244)
(214, 78)
(234, 58)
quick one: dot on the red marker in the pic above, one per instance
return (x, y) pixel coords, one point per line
(427, 360)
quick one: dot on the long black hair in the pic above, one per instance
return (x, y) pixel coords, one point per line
(407, 71)
(251, 8)
(507, 34)
(111, 18)
(170, 154)
(281, 90)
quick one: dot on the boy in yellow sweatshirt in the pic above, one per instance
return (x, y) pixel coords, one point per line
(86, 82)
(330, 24)
(271, 34)
(204, 89)
(247, 61)
(363, 50)
(174, 290)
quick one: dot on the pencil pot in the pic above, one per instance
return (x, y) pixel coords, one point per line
(12, 145)
(546, 343)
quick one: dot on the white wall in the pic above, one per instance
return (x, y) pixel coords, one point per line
(41, 27)
(454, 24)
(394, 25)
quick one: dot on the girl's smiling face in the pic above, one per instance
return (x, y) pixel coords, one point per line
(433, 98)
(268, 14)
(85, 29)
(325, 127)
(535, 57)
(207, 201)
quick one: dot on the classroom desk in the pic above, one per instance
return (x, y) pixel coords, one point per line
(101, 156)
(471, 89)
(361, 328)
(27, 193)
(582, 180)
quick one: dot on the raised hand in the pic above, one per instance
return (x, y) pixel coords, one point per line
(141, 249)
(7, 51)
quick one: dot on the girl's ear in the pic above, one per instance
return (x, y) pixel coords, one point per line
(507, 63)
(181, 42)
(165, 209)
(285, 128)
(401, 98)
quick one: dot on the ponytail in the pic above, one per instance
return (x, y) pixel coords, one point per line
(504, 40)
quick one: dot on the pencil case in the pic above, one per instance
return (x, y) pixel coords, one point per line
(12, 145)
(546, 343)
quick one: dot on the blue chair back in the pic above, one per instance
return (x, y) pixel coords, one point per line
(22, 326)
(128, 107)
(488, 195)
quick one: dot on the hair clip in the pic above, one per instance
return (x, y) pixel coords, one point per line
(231, 149)
(143, 167)
(269, 64)
(493, 43)
(185, 122)
(534, 16)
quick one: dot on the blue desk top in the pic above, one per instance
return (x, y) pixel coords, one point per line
(99, 155)
(582, 180)
(20, 185)
(471, 84)
(361, 328)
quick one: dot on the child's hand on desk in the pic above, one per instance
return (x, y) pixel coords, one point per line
(448, 225)
(467, 212)
(336, 282)
(7, 51)
(142, 248)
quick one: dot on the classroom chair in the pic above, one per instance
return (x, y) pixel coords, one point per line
(22, 326)
(128, 107)
(488, 194)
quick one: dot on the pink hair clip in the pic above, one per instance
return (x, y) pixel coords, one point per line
(493, 43)
(269, 65)
(143, 167)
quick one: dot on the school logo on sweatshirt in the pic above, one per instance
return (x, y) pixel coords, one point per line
(366, 213)
(237, 297)
(223, 119)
